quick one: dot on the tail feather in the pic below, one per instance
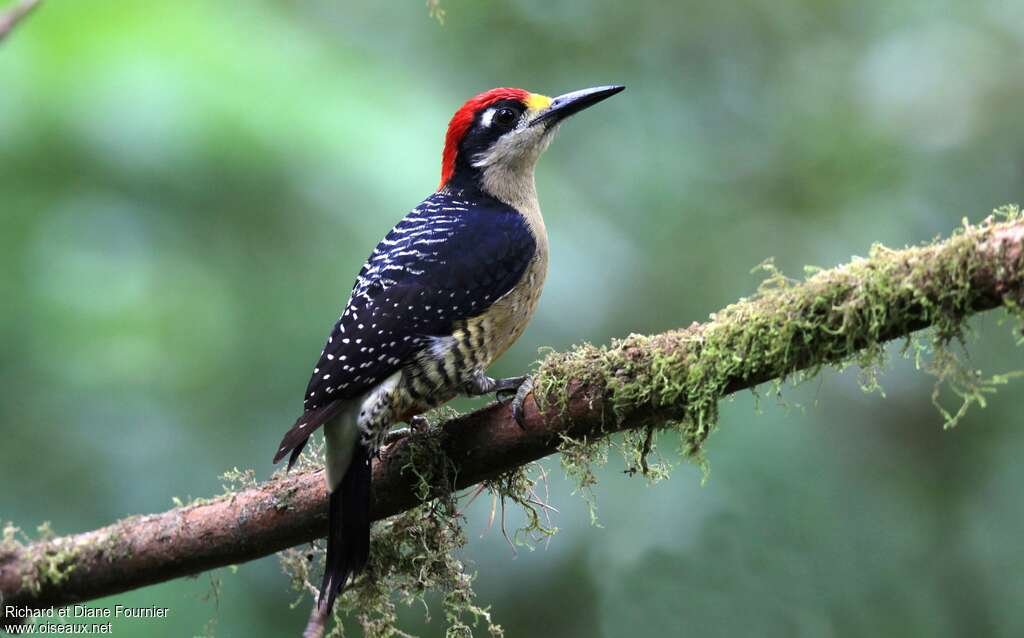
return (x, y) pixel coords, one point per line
(296, 452)
(295, 438)
(348, 535)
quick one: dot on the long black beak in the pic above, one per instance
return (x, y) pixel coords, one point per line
(571, 103)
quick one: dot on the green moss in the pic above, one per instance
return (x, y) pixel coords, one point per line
(234, 481)
(51, 565)
(580, 458)
(531, 494)
(51, 559)
(788, 330)
(114, 546)
(12, 541)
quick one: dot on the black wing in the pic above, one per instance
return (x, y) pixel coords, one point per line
(446, 261)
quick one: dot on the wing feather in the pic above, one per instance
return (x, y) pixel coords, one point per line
(445, 262)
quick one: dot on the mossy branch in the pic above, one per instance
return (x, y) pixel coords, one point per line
(638, 383)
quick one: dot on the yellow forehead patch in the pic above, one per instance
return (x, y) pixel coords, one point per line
(538, 102)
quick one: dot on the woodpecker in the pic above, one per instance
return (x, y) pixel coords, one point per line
(442, 296)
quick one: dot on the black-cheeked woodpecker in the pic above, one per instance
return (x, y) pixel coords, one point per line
(443, 295)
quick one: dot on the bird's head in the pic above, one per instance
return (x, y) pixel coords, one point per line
(495, 138)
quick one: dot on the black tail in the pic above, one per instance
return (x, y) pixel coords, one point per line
(348, 533)
(295, 438)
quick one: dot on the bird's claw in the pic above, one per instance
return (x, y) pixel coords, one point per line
(515, 389)
(419, 423)
(505, 389)
(524, 389)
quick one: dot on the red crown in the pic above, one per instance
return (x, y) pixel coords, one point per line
(463, 119)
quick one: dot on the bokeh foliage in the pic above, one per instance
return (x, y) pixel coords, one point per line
(187, 190)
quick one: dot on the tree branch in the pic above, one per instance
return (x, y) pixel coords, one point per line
(589, 392)
(10, 18)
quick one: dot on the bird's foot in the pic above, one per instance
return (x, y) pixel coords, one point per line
(482, 384)
(505, 389)
(518, 394)
(524, 390)
(419, 423)
(514, 388)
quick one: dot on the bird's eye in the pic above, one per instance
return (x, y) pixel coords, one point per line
(505, 117)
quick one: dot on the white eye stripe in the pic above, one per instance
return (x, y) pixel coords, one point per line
(487, 117)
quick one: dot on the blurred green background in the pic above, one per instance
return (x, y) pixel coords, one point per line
(187, 190)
